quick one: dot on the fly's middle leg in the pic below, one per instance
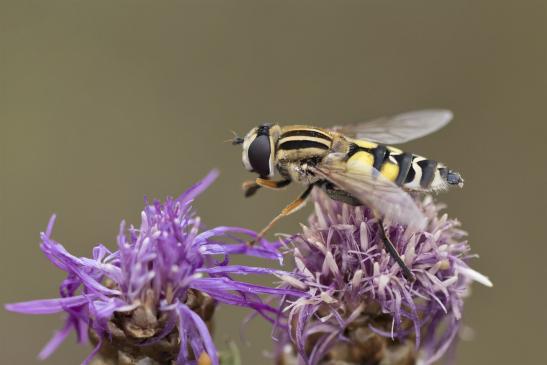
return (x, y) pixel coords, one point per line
(292, 207)
(390, 248)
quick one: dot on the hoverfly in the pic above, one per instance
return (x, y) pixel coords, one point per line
(355, 164)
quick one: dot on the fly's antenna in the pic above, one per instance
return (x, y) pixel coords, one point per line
(235, 140)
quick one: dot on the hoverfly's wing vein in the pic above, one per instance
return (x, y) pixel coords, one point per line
(371, 188)
(398, 128)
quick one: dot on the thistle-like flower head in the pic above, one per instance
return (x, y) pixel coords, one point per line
(361, 308)
(154, 296)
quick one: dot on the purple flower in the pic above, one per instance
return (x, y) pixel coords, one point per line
(154, 296)
(360, 307)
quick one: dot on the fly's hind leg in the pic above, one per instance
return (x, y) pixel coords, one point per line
(288, 210)
(393, 252)
(250, 187)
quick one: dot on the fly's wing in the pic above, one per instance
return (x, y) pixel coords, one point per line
(374, 190)
(399, 128)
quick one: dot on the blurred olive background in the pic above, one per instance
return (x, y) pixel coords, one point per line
(103, 102)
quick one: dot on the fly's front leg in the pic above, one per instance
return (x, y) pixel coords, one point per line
(250, 187)
(288, 210)
(270, 184)
(390, 248)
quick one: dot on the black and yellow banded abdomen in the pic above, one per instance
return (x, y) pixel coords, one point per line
(410, 171)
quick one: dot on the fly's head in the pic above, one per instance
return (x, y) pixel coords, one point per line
(259, 149)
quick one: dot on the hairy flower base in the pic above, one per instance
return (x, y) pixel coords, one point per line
(139, 334)
(366, 349)
(360, 345)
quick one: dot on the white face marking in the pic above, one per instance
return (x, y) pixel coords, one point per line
(249, 138)
(272, 157)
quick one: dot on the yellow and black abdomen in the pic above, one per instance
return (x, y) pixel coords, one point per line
(410, 171)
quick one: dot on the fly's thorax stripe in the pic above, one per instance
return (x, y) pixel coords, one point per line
(304, 137)
(284, 138)
(306, 132)
(296, 143)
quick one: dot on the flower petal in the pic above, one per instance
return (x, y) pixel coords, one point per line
(47, 306)
(56, 340)
(198, 187)
(185, 312)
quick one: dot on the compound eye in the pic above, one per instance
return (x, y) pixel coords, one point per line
(259, 155)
